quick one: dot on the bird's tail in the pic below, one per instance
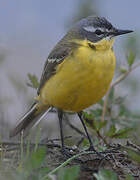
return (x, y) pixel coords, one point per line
(31, 117)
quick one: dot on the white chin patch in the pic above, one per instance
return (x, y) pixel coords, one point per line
(108, 38)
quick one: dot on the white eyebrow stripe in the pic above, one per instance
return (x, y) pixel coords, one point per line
(92, 29)
(89, 28)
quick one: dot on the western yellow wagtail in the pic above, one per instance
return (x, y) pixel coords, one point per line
(77, 73)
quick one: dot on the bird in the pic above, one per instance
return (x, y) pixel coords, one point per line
(77, 73)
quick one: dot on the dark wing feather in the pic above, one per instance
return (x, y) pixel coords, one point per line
(58, 54)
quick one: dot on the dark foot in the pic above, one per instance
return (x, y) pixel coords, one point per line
(91, 148)
(66, 152)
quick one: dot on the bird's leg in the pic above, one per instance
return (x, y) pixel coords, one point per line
(91, 148)
(60, 117)
(64, 150)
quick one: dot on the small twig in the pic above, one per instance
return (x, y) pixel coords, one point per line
(6, 143)
(105, 105)
(101, 137)
(21, 148)
(46, 140)
(129, 143)
(8, 149)
(80, 141)
(75, 128)
(49, 145)
(118, 80)
(32, 144)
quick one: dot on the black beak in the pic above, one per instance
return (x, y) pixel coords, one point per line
(118, 32)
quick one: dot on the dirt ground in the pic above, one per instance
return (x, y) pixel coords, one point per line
(114, 158)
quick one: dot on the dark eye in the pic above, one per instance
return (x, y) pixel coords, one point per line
(98, 32)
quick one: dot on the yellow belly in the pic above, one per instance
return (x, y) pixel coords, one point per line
(80, 81)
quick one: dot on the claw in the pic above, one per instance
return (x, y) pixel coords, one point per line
(66, 152)
(91, 148)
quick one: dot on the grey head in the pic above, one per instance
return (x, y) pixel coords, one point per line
(95, 28)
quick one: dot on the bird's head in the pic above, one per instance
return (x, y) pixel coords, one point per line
(97, 30)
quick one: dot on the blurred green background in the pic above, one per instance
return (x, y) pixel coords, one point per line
(28, 32)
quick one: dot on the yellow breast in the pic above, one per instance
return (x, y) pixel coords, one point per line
(81, 80)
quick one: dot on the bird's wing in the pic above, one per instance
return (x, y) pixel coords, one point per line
(58, 54)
